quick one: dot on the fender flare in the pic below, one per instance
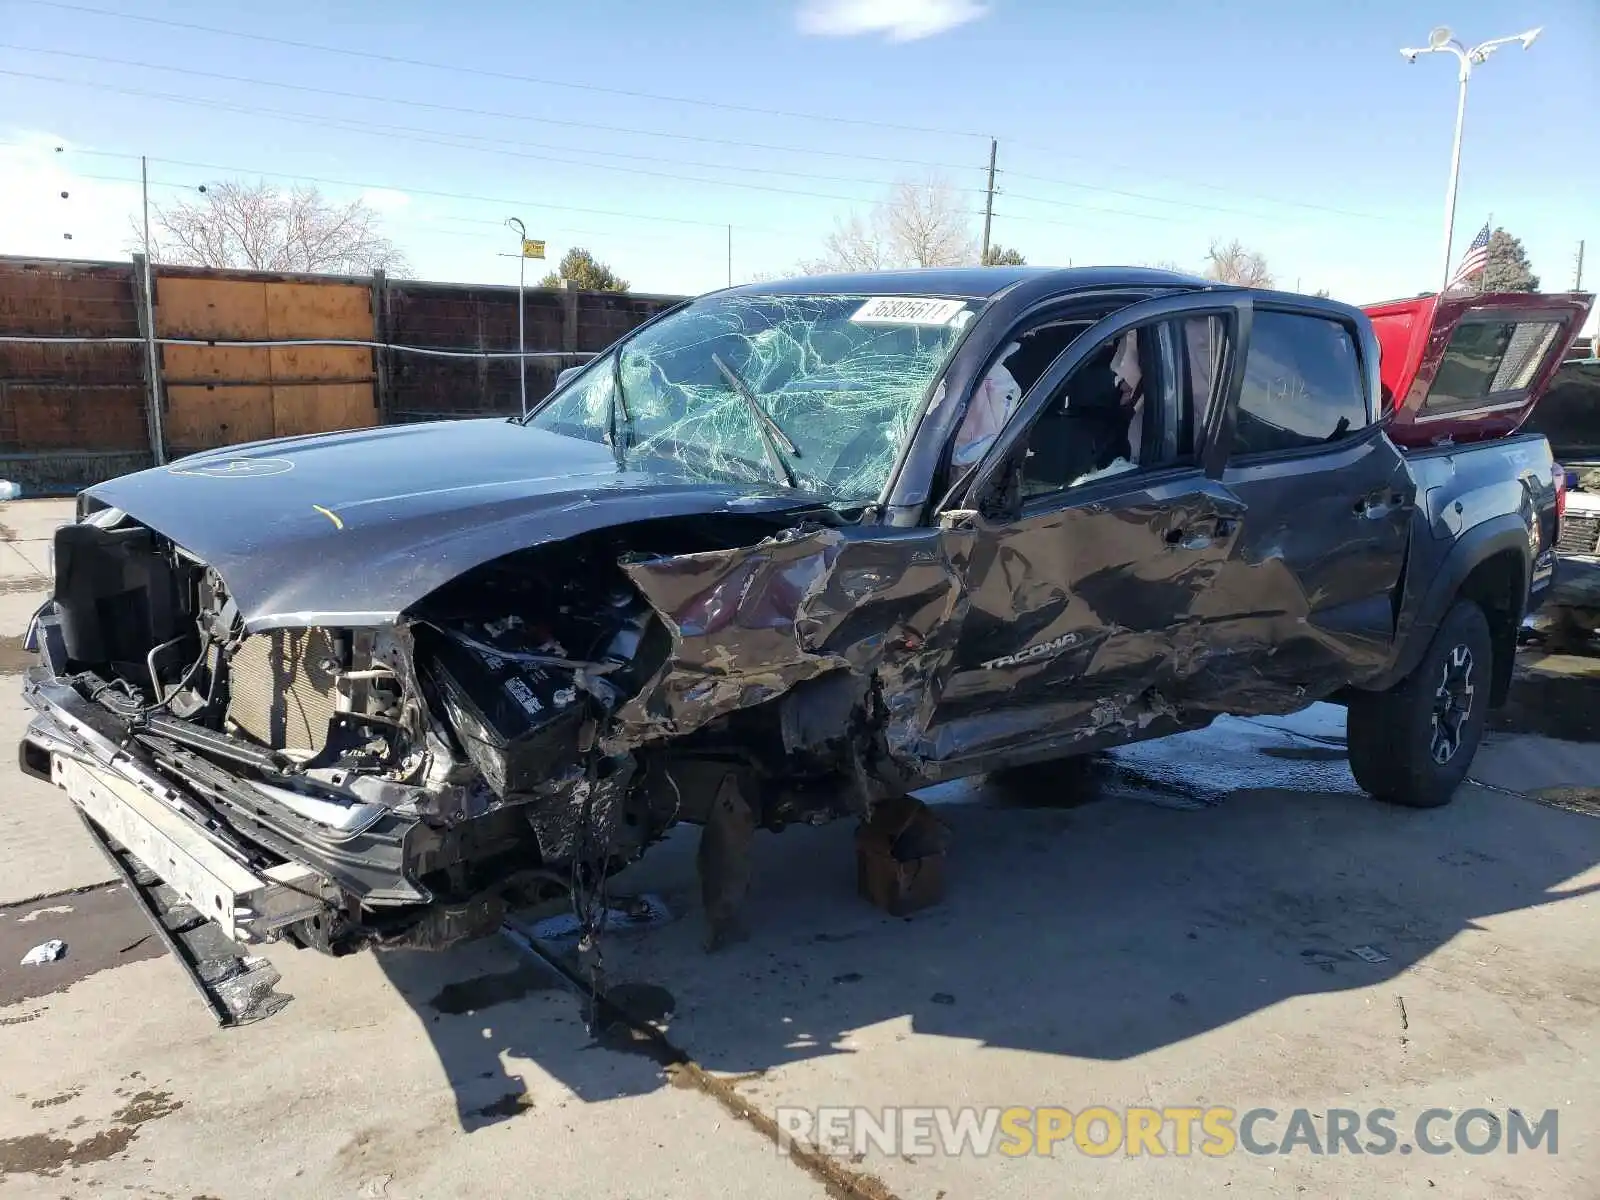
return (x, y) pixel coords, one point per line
(1473, 548)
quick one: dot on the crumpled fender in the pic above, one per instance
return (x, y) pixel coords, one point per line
(750, 623)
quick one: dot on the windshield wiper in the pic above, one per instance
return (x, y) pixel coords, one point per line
(618, 401)
(771, 433)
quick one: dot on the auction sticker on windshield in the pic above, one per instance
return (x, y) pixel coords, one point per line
(907, 310)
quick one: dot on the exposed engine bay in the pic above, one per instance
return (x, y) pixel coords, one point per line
(463, 759)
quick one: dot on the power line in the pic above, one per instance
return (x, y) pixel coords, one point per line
(459, 110)
(858, 121)
(1144, 171)
(501, 115)
(409, 133)
(416, 191)
(486, 73)
(632, 170)
(472, 198)
(496, 146)
(483, 223)
(1146, 196)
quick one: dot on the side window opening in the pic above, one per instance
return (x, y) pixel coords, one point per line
(1116, 413)
(1204, 340)
(1014, 371)
(1302, 385)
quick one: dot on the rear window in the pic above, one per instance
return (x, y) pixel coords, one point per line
(1302, 385)
(1489, 362)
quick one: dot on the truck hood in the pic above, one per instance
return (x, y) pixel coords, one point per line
(353, 528)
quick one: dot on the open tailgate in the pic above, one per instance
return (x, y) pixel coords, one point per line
(1467, 368)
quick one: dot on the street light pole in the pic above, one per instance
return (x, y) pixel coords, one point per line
(1442, 41)
(522, 274)
(1455, 173)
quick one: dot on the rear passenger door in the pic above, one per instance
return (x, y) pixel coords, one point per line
(1307, 599)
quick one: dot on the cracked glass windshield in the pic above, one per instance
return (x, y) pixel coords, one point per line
(817, 392)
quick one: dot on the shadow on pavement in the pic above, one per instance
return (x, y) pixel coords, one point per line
(1100, 930)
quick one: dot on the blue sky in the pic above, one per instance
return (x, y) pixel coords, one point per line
(1295, 127)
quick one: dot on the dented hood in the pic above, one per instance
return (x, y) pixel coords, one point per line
(353, 528)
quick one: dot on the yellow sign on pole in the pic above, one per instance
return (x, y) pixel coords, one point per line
(532, 248)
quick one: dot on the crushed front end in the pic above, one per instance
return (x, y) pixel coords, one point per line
(521, 732)
(346, 785)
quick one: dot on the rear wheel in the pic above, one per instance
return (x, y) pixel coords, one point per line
(1413, 744)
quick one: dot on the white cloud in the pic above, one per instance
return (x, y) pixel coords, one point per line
(898, 20)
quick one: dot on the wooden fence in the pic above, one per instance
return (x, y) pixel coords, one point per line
(77, 408)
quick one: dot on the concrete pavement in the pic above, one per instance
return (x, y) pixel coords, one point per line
(1185, 936)
(44, 849)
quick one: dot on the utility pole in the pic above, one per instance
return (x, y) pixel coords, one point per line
(1577, 283)
(144, 192)
(988, 201)
(730, 255)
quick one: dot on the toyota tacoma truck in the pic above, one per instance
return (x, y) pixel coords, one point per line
(782, 554)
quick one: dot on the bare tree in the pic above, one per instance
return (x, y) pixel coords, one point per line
(921, 224)
(928, 227)
(856, 243)
(1231, 262)
(263, 228)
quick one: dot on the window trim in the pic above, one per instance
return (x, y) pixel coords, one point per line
(1366, 371)
(1232, 304)
(1139, 479)
(1492, 402)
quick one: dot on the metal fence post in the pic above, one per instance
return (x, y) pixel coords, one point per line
(380, 333)
(144, 303)
(570, 297)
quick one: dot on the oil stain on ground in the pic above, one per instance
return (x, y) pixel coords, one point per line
(103, 928)
(486, 991)
(50, 1153)
(14, 660)
(16, 584)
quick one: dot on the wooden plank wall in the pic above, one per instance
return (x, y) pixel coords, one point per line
(83, 400)
(70, 415)
(221, 395)
(485, 318)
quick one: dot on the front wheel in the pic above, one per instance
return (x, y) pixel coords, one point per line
(1413, 744)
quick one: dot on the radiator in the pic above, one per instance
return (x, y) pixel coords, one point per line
(279, 692)
(1579, 534)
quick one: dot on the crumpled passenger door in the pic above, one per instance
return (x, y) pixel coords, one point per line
(1082, 623)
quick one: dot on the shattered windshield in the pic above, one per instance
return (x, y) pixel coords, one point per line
(817, 392)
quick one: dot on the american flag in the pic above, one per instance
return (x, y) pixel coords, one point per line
(1474, 260)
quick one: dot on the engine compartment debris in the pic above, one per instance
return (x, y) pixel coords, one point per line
(45, 952)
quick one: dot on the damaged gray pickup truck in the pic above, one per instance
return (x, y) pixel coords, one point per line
(782, 553)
